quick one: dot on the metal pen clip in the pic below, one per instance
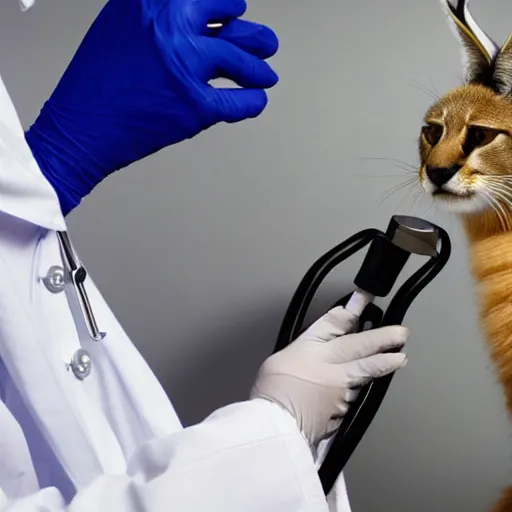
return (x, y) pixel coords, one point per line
(78, 274)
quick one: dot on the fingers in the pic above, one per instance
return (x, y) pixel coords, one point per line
(367, 343)
(351, 395)
(201, 12)
(362, 372)
(335, 323)
(247, 71)
(234, 105)
(232, 63)
(253, 38)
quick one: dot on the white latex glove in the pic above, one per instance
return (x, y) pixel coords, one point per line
(317, 376)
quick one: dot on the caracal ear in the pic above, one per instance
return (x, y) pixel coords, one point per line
(478, 49)
(502, 76)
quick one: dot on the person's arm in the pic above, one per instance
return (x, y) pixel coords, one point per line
(254, 455)
(245, 457)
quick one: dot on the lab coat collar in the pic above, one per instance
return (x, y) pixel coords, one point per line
(24, 191)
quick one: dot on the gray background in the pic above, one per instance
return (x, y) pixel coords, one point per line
(199, 248)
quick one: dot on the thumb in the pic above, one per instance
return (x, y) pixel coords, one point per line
(234, 105)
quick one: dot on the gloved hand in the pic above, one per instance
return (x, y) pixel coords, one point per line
(318, 375)
(139, 83)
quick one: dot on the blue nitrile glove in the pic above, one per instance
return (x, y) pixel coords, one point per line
(139, 83)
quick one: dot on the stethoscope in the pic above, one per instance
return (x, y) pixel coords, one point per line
(384, 261)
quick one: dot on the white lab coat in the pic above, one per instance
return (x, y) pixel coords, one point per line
(112, 441)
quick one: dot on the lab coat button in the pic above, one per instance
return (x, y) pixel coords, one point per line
(81, 364)
(55, 279)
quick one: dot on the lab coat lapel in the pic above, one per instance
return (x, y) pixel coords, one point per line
(76, 432)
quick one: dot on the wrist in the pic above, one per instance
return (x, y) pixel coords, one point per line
(71, 171)
(290, 418)
(46, 162)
